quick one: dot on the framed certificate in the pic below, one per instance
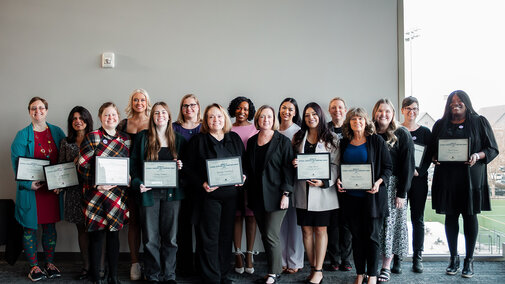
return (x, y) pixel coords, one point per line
(112, 170)
(313, 166)
(453, 150)
(356, 176)
(61, 175)
(31, 169)
(419, 151)
(161, 174)
(224, 171)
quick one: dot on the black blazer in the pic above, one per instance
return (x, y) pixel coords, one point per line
(379, 157)
(277, 175)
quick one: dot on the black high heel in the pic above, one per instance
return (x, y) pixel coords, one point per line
(320, 282)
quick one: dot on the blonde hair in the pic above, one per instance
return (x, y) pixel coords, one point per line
(153, 142)
(390, 131)
(359, 112)
(180, 118)
(129, 111)
(275, 125)
(205, 123)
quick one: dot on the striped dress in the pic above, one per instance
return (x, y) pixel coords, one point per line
(103, 210)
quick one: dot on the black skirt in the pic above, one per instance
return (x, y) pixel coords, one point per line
(313, 218)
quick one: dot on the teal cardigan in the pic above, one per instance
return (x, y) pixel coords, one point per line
(138, 156)
(23, 146)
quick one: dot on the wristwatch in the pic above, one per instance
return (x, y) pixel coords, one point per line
(286, 193)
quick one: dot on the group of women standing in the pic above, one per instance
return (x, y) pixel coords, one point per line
(375, 219)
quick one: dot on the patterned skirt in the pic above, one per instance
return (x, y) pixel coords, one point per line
(394, 238)
(74, 212)
(105, 210)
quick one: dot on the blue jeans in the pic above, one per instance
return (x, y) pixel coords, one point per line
(160, 237)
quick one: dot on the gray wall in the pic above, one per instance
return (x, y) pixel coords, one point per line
(267, 50)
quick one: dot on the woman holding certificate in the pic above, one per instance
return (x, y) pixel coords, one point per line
(394, 238)
(35, 204)
(460, 187)
(268, 160)
(105, 209)
(315, 198)
(137, 113)
(364, 207)
(421, 136)
(188, 124)
(160, 204)
(214, 198)
(291, 234)
(79, 123)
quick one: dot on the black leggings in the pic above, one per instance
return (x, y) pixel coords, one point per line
(96, 240)
(470, 229)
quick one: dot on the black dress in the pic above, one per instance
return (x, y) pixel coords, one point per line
(458, 188)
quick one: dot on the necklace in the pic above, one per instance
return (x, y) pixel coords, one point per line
(41, 137)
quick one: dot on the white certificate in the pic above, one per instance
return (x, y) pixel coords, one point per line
(356, 176)
(112, 170)
(31, 169)
(61, 175)
(419, 154)
(160, 174)
(453, 150)
(224, 171)
(313, 166)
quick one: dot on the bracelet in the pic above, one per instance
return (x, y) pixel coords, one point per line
(478, 157)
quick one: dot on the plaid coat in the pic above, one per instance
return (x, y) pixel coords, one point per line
(103, 210)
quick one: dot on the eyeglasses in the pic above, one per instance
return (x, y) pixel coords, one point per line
(39, 108)
(190, 105)
(409, 109)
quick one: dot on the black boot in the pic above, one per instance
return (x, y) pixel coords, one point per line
(467, 268)
(417, 262)
(397, 264)
(453, 265)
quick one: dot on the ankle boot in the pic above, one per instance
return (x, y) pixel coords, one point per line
(397, 264)
(467, 268)
(417, 262)
(453, 265)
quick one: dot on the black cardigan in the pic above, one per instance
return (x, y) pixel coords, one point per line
(277, 175)
(478, 129)
(402, 156)
(379, 157)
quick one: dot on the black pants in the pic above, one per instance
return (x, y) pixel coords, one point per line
(365, 232)
(96, 240)
(470, 228)
(215, 234)
(185, 257)
(417, 199)
(339, 238)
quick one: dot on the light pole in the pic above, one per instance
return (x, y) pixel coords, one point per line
(409, 37)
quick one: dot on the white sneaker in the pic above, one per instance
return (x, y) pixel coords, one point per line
(135, 272)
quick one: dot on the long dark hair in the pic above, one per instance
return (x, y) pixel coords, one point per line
(86, 117)
(463, 96)
(323, 133)
(296, 118)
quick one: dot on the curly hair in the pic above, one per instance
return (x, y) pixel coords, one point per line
(236, 102)
(323, 133)
(390, 131)
(360, 112)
